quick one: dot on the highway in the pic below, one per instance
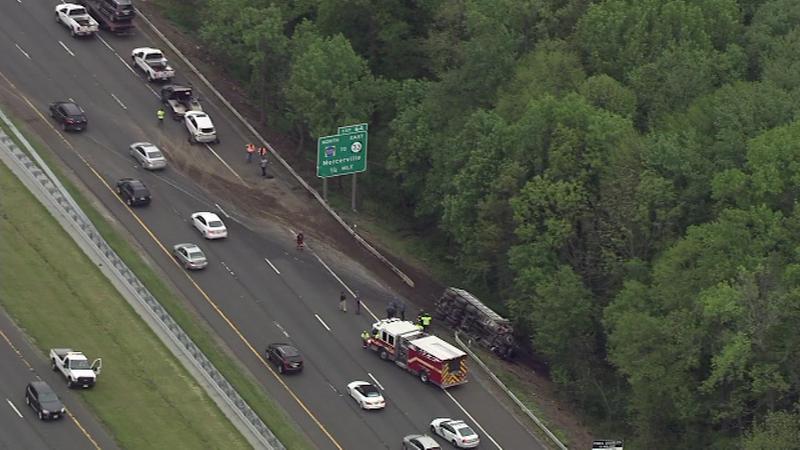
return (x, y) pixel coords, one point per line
(257, 289)
(20, 428)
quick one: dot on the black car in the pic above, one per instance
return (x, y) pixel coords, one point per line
(44, 401)
(285, 357)
(69, 115)
(133, 191)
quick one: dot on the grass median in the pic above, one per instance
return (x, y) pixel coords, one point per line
(47, 282)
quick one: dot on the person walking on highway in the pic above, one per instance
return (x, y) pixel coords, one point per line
(424, 320)
(262, 152)
(251, 148)
(160, 114)
(342, 302)
(263, 165)
(358, 303)
(300, 241)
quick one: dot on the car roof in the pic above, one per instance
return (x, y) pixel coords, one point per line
(70, 107)
(143, 144)
(40, 386)
(188, 246)
(426, 440)
(208, 215)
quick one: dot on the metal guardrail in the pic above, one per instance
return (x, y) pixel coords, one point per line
(61, 205)
(352, 232)
(511, 395)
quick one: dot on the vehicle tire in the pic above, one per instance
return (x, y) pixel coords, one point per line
(216, 141)
(63, 126)
(57, 20)
(53, 365)
(72, 32)
(129, 201)
(384, 355)
(27, 400)
(70, 384)
(280, 368)
(149, 77)
(433, 429)
(41, 416)
(423, 376)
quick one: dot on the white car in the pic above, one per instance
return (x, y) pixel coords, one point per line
(209, 225)
(456, 432)
(77, 19)
(366, 395)
(148, 155)
(200, 127)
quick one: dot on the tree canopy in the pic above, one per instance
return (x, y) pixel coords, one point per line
(619, 177)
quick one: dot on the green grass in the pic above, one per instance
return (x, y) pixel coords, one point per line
(275, 418)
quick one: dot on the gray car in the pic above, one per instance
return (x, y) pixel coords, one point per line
(148, 155)
(420, 442)
(190, 256)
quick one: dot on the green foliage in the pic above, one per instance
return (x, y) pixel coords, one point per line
(329, 84)
(778, 430)
(621, 175)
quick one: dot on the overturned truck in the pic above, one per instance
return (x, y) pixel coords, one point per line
(462, 311)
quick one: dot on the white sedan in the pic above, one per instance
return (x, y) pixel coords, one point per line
(366, 395)
(209, 225)
(456, 432)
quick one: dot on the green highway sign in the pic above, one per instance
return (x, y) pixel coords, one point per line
(343, 153)
(352, 128)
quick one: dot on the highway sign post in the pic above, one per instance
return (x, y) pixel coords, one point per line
(344, 153)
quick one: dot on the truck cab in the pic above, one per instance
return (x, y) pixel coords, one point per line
(75, 367)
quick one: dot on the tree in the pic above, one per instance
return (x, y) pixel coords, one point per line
(779, 429)
(604, 92)
(329, 84)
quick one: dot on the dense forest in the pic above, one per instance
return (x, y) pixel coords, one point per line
(620, 175)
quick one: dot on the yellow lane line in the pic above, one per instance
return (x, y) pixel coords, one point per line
(171, 258)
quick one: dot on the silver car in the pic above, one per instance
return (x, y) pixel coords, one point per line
(420, 442)
(190, 256)
(148, 155)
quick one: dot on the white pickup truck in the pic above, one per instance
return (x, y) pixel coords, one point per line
(76, 19)
(153, 63)
(75, 367)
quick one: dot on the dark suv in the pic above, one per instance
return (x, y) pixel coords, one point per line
(285, 357)
(133, 191)
(43, 400)
(69, 115)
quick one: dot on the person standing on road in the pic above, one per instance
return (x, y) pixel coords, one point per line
(262, 152)
(365, 338)
(358, 303)
(391, 310)
(251, 148)
(160, 114)
(401, 308)
(263, 165)
(342, 302)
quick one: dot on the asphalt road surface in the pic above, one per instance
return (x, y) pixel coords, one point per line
(265, 289)
(20, 428)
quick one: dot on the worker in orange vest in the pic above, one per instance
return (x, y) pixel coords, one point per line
(251, 148)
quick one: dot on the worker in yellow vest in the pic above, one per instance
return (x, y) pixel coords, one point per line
(365, 338)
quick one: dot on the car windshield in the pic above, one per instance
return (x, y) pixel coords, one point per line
(140, 192)
(195, 255)
(154, 154)
(465, 431)
(207, 130)
(370, 391)
(47, 396)
(215, 224)
(79, 364)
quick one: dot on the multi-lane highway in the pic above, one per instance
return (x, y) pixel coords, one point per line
(257, 288)
(20, 428)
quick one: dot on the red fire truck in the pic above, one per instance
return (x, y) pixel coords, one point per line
(428, 357)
